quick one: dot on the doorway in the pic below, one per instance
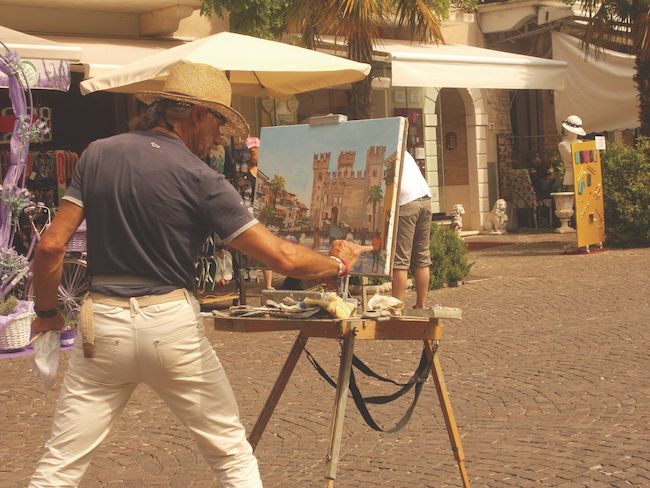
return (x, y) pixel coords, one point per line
(455, 149)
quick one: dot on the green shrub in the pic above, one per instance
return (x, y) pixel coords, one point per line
(626, 193)
(449, 264)
(372, 281)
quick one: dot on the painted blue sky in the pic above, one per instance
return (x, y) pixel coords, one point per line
(289, 150)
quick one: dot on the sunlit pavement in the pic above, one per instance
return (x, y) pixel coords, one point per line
(547, 375)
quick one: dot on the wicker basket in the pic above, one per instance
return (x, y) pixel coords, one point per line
(15, 334)
(78, 241)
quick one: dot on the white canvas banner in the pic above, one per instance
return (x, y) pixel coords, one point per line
(599, 91)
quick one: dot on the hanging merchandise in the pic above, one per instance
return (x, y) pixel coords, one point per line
(49, 174)
(43, 166)
(60, 174)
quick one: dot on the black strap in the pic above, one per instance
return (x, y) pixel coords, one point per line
(318, 368)
(418, 379)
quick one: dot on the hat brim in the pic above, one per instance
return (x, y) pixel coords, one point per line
(576, 130)
(236, 125)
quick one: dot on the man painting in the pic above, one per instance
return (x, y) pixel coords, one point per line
(150, 202)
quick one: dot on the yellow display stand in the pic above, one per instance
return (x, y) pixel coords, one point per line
(588, 181)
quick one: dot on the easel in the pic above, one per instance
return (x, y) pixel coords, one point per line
(428, 329)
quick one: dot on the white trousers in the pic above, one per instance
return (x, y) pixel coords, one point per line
(165, 347)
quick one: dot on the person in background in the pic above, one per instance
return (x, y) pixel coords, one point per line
(376, 251)
(150, 202)
(253, 145)
(413, 231)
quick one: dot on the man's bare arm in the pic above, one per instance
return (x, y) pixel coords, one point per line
(295, 260)
(48, 258)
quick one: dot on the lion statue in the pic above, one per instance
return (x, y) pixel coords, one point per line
(496, 222)
(457, 218)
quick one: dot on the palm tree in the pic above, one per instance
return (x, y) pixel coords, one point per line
(613, 21)
(267, 215)
(278, 185)
(375, 196)
(360, 23)
(258, 18)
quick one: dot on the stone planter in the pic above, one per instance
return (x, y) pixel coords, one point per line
(564, 210)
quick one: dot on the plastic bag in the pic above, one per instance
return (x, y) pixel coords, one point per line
(45, 360)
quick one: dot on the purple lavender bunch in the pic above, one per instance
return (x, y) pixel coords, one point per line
(12, 60)
(11, 262)
(33, 132)
(16, 199)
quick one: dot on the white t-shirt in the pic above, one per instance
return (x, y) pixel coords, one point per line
(413, 184)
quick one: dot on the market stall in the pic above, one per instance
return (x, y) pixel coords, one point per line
(32, 181)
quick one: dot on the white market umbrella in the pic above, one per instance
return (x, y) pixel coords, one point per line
(252, 64)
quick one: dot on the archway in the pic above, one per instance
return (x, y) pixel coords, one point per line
(455, 149)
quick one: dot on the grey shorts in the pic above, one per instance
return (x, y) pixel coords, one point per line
(414, 228)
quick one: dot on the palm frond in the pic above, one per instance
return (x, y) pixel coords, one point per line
(423, 18)
(641, 36)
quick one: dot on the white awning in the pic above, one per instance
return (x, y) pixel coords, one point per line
(458, 66)
(599, 91)
(105, 54)
(33, 47)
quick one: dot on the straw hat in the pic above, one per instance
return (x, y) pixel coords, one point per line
(573, 123)
(204, 85)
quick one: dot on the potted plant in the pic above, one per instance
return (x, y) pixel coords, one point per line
(563, 196)
(69, 331)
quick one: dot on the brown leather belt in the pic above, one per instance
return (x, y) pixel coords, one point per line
(86, 315)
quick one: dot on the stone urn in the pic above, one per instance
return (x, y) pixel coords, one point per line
(564, 210)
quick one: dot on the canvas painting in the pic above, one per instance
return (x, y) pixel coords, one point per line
(336, 181)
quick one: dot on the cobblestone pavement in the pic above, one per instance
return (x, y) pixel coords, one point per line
(547, 374)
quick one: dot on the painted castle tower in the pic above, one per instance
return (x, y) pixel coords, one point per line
(348, 196)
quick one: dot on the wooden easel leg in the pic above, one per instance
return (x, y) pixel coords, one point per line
(364, 293)
(343, 386)
(276, 392)
(242, 289)
(447, 412)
